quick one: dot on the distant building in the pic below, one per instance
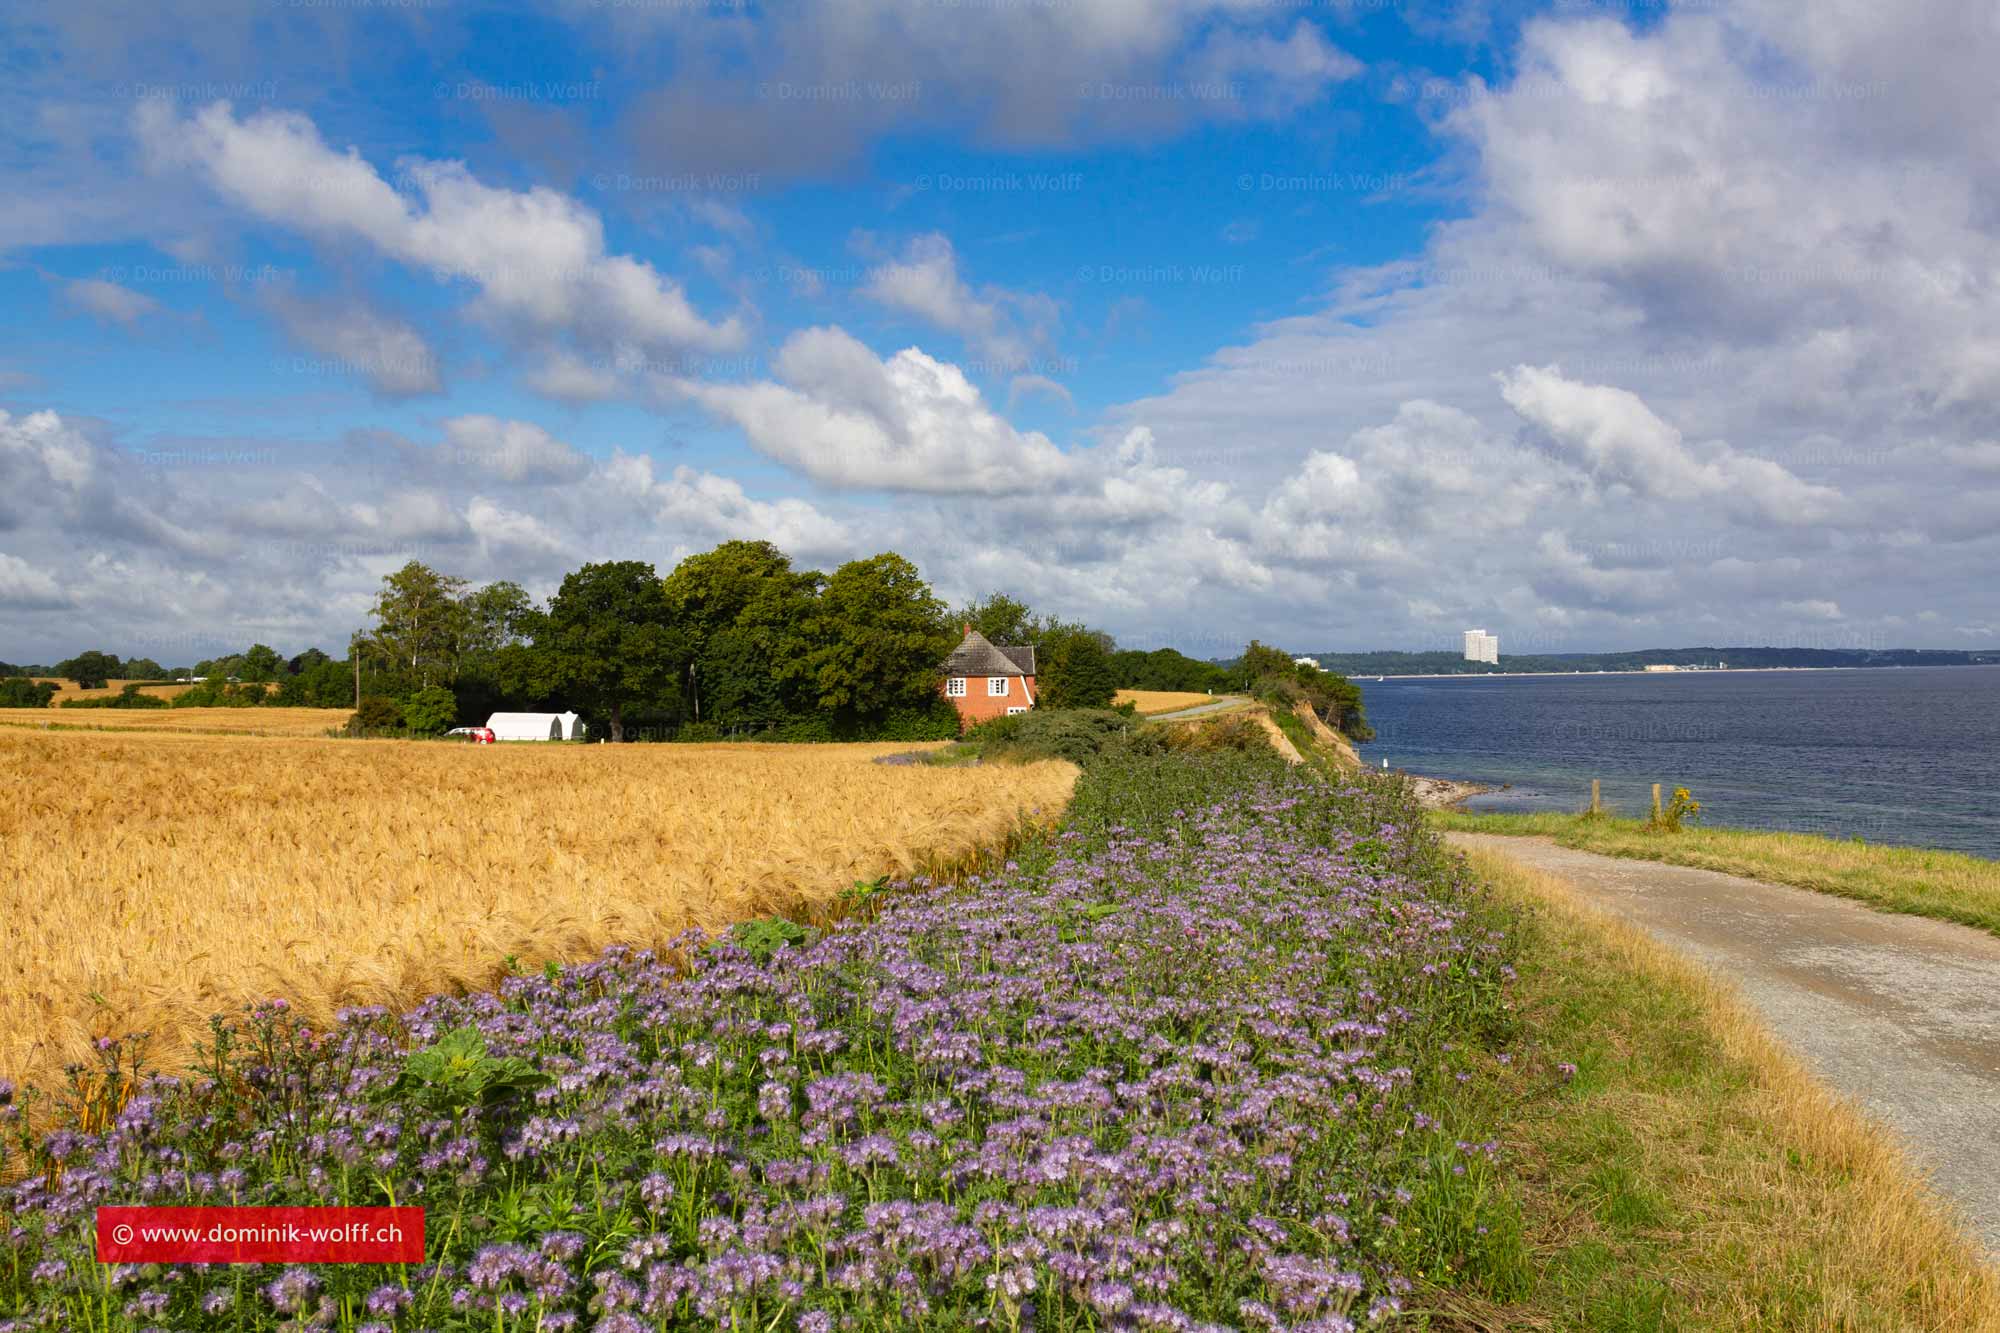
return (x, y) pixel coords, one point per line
(1661, 666)
(1312, 662)
(1482, 647)
(983, 680)
(535, 727)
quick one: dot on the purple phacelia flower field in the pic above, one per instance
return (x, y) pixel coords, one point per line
(1186, 1063)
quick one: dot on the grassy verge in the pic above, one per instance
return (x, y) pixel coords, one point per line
(1676, 1168)
(1949, 886)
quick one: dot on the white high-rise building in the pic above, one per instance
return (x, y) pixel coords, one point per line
(1482, 647)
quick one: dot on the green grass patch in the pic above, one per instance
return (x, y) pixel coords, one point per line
(1947, 886)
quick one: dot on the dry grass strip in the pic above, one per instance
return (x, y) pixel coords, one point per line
(1781, 1205)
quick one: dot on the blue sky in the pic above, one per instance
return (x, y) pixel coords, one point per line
(1342, 325)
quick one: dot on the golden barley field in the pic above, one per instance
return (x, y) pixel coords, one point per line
(67, 689)
(147, 881)
(219, 721)
(1161, 701)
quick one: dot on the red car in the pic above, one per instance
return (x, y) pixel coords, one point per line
(477, 735)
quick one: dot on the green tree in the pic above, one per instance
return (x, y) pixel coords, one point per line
(1073, 669)
(376, 714)
(430, 711)
(260, 662)
(91, 670)
(608, 641)
(141, 668)
(741, 611)
(1001, 618)
(879, 639)
(20, 692)
(1271, 672)
(420, 622)
(1165, 669)
(497, 616)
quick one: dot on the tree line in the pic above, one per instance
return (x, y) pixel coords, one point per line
(731, 641)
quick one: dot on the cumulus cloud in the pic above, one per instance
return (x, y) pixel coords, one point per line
(537, 257)
(26, 587)
(847, 418)
(109, 302)
(515, 451)
(805, 97)
(359, 340)
(1619, 440)
(1004, 329)
(195, 549)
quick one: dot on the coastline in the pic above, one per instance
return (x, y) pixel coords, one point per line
(1651, 675)
(1443, 793)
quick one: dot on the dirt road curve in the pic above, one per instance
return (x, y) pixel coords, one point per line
(1898, 1012)
(1222, 704)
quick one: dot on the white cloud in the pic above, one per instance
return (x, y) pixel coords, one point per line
(515, 451)
(753, 97)
(537, 257)
(1004, 329)
(844, 417)
(1619, 440)
(386, 352)
(563, 375)
(109, 302)
(24, 586)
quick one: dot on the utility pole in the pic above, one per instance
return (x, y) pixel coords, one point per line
(354, 651)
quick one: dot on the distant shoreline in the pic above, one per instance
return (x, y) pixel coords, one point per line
(1680, 671)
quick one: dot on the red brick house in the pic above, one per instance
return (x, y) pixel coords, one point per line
(983, 680)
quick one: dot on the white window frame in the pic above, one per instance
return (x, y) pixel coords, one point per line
(996, 687)
(1016, 709)
(954, 688)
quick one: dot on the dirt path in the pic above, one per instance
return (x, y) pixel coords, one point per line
(1898, 1012)
(1226, 702)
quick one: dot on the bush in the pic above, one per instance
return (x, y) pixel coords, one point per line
(1238, 732)
(1076, 734)
(430, 711)
(377, 714)
(936, 721)
(222, 694)
(20, 692)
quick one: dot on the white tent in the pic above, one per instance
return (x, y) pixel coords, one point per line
(534, 726)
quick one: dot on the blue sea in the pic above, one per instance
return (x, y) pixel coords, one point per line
(1897, 754)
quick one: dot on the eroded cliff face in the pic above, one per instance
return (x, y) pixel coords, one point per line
(1342, 749)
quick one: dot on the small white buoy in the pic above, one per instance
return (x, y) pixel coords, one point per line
(1385, 761)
